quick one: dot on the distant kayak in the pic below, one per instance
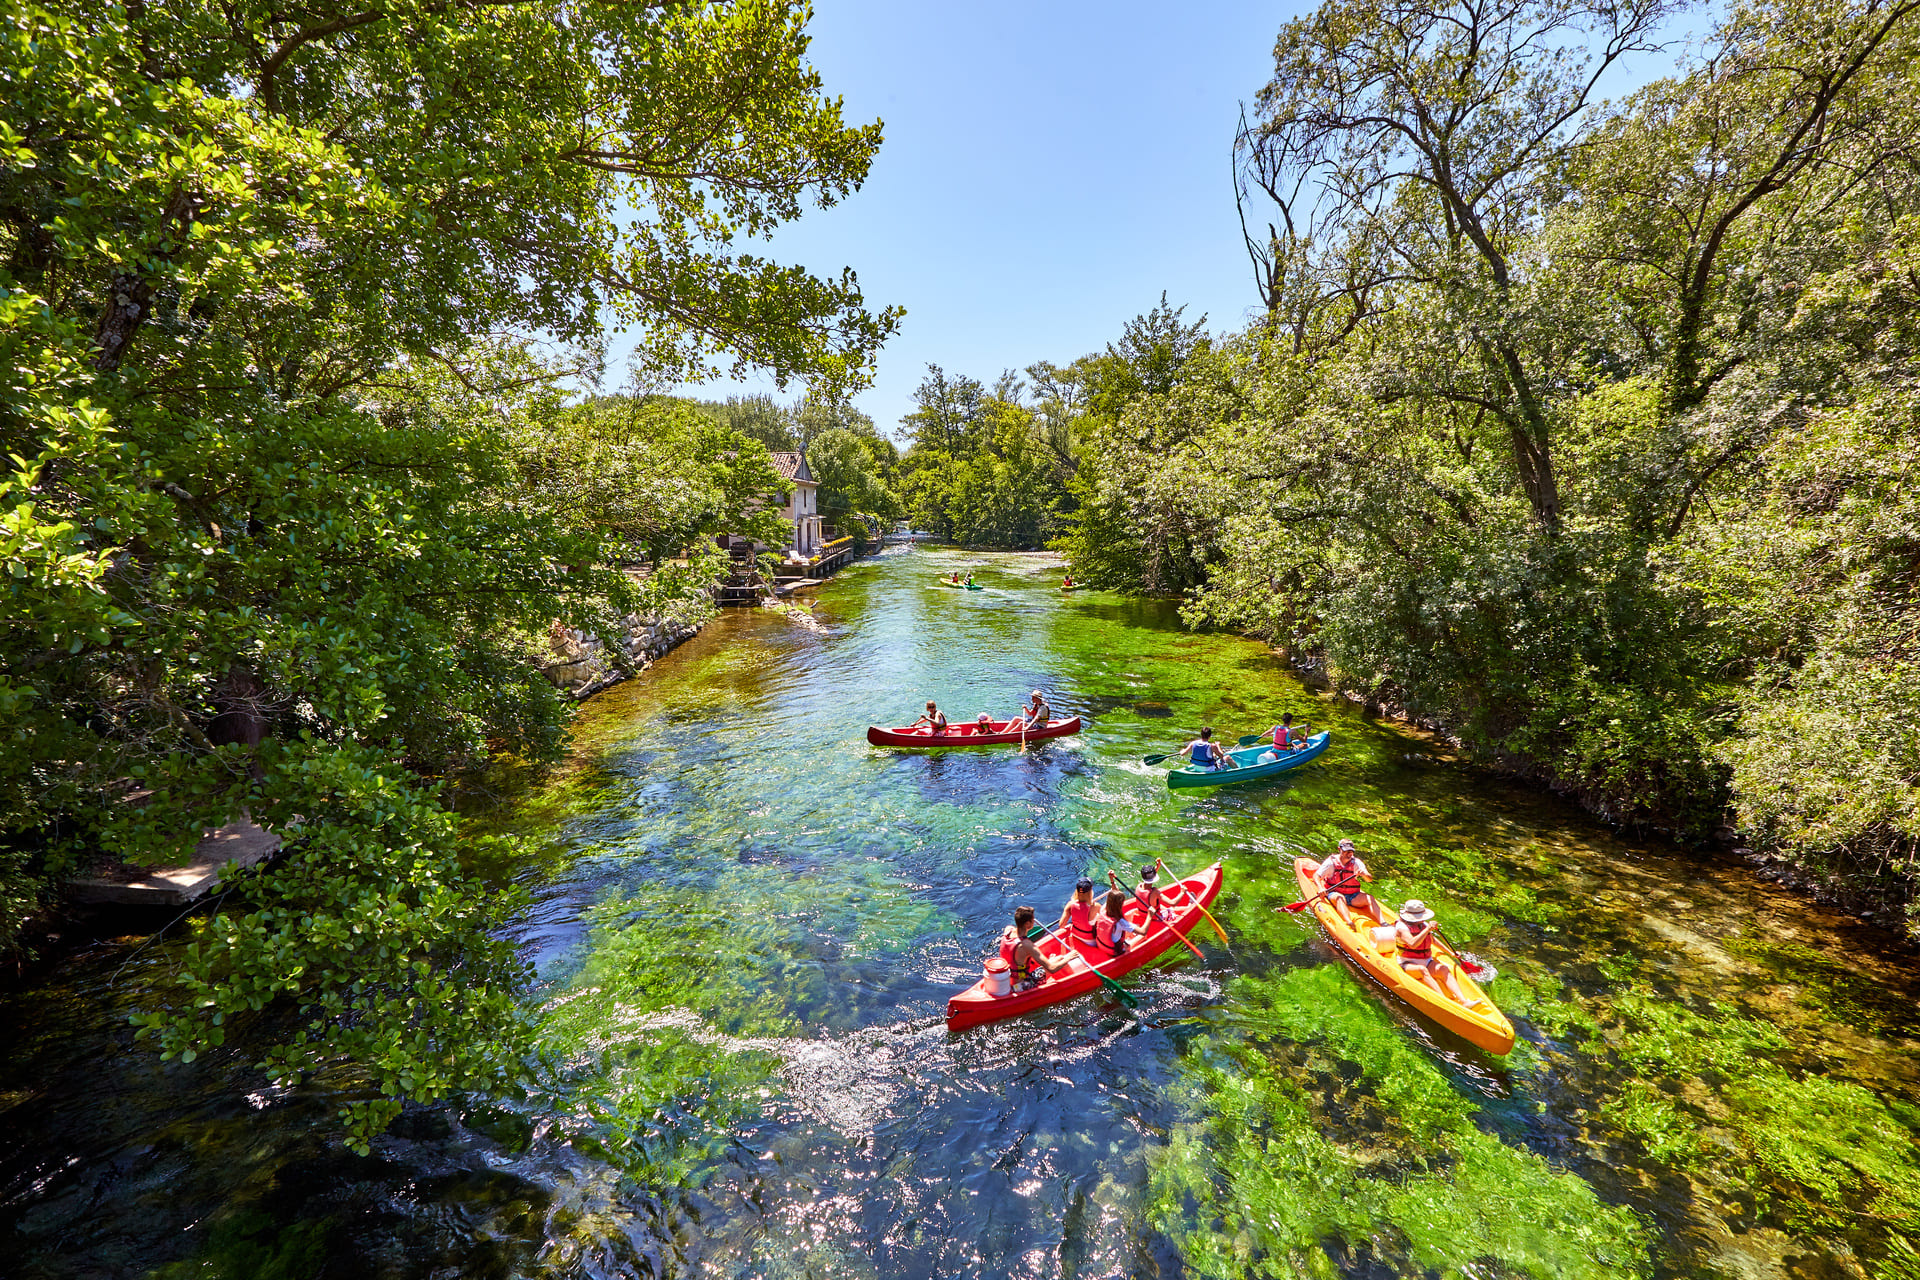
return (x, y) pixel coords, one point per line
(1477, 1020)
(1247, 767)
(978, 1004)
(967, 733)
(1078, 586)
(968, 586)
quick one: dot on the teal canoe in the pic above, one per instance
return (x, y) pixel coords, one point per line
(1248, 771)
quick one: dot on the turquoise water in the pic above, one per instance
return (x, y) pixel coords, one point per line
(748, 922)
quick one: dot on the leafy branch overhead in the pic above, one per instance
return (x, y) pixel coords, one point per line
(290, 298)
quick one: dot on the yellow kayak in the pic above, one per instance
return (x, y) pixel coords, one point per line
(1477, 1020)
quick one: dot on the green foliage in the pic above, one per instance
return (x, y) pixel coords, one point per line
(1265, 1183)
(1579, 428)
(851, 470)
(654, 475)
(290, 499)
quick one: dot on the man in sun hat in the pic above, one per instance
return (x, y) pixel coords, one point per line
(1339, 878)
(1414, 932)
(1036, 716)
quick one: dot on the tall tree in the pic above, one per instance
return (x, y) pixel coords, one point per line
(1430, 132)
(259, 265)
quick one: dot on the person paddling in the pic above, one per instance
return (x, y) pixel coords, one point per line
(1204, 751)
(935, 719)
(1414, 932)
(1339, 878)
(1066, 583)
(1114, 925)
(1036, 715)
(1147, 893)
(1030, 966)
(1078, 921)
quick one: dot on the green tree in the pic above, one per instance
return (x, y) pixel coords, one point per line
(851, 478)
(265, 548)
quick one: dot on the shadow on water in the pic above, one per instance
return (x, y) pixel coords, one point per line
(747, 922)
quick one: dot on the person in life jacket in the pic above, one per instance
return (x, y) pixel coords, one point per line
(1339, 877)
(1114, 926)
(1205, 752)
(935, 719)
(1079, 919)
(1037, 714)
(1030, 967)
(1414, 932)
(1146, 893)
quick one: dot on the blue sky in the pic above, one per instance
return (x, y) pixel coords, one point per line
(1048, 169)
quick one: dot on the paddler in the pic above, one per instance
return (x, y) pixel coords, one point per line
(1066, 583)
(1079, 920)
(1036, 715)
(935, 719)
(1205, 752)
(1414, 932)
(1147, 893)
(1114, 925)
(1339, 879)
(1030, 966)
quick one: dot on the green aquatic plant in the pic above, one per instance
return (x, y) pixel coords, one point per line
(1825, 1153)
(1663, 1132)
(1268, 1174)
(1656, 1033)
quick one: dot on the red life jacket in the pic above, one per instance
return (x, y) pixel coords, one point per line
(1347, 881)
(1104, 931)
(1421, 948)
(1007, 944)
(1080, 922)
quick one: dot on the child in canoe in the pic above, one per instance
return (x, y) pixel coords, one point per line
(1114, 926)
(1146, 893)
(1030, 967)
(1414, 932)
(1079, 919)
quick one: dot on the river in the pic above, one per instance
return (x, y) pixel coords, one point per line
(747, 923)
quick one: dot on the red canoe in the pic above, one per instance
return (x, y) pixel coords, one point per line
(967, 733)
(975, 1005)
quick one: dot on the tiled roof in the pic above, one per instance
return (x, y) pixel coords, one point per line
(791, 464)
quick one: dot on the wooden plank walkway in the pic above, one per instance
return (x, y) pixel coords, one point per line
(238, 844)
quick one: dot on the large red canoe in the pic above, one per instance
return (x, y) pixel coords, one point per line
(966, 733)
(976, 1005)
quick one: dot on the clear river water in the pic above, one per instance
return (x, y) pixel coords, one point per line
(747, 923)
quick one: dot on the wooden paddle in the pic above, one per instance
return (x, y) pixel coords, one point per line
(1195, 901)
(1120, 993)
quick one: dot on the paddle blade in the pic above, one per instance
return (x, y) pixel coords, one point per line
(1251, 738)
(1295, 907)
(1154, 759)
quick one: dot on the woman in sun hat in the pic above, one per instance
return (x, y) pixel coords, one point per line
(1414, 932)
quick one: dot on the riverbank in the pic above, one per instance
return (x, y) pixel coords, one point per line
(1883, 897)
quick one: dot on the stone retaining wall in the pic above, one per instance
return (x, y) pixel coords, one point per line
(583, 665)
